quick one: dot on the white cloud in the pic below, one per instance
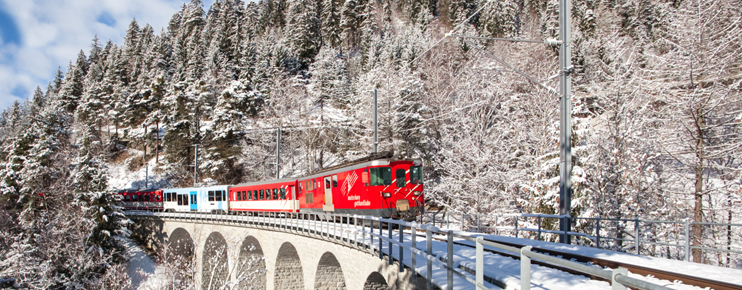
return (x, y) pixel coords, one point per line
(54, 31)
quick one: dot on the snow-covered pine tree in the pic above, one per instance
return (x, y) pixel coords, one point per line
(304, 29)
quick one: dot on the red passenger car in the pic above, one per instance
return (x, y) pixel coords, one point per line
(141, 200)
(275, 195)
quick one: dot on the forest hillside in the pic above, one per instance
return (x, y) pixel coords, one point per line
(656, 119)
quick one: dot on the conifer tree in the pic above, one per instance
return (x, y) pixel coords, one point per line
(304, 30)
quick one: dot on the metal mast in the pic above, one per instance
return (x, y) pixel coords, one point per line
(565, 111)
(376, 135)
(278, 153)
(195, 165)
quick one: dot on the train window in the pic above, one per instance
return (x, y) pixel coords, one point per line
(416, 174)
(211, 196)
(381, 176)
(283, 193)
(327, 182)
(275, 194)
(133, 197)
(218, 195)
(254, 195)
(193, 198)
(314, 184)
(147, 197)
(126, 198)
(180, 199)
(262, 194)
(401, 178)
(244, 195)
(335, 180)
(238, 196)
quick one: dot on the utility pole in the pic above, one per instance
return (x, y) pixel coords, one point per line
(376, 123)
(278, 153)
(146, 165)
(565, 114)
(195, 165)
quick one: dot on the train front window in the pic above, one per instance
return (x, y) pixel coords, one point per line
(401, 177)
(334, 181)
(416, 175)
(381, 176)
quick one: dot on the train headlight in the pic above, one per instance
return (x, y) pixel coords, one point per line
(417, 193)
(386, 194)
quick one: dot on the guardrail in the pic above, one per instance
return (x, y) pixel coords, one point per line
(634, 235)
(345, 230)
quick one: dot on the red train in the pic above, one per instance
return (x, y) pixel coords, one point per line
(384, 187)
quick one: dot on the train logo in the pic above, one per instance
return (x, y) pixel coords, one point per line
(348, 184)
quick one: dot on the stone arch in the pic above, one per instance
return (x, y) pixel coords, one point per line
(250, 266)
(329, 274)
(180, 244)
(215, 267)
(375, 281)
(288, 273)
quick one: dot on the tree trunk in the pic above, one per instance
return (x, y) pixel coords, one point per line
(157, 143)
(698, 194)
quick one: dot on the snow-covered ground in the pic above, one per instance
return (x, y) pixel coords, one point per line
(140, 265)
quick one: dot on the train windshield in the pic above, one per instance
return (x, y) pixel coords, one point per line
(416, 174)
(381, 176)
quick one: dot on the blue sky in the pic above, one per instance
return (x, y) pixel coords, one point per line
(38, 36)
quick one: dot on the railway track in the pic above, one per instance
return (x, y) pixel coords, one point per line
(639, 270)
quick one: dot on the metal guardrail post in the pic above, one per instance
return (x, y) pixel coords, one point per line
(401, 250)
(539, 227)
(496, 225)
(525, 268)
(381, 242)
(687, 241)
(449, 259)
(597, 233)
(429, 251)
(479, 271)
(615, 285)
(636, 233)
(389, 244)
(355, 233)
(479, 224)
(413, 256)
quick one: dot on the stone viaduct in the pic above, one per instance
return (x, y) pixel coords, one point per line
(262, 258)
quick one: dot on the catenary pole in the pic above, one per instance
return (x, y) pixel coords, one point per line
(195, 165)
(376, 123)
(278, 153)
(565, 140)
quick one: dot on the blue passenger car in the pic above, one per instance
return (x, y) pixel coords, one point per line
(201, 199)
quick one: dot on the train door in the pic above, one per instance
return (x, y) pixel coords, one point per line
(194, 203)
(328, 195)
(292, 196)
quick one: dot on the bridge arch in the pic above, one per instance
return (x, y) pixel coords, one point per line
(250, 266)
(180, 243)
(215, 266)
(329, 273)
(375, 281)
(288, 271)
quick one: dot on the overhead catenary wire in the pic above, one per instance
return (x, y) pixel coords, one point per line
(549, 89)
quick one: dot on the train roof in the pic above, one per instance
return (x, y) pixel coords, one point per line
(202, 187)
(282, 180)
